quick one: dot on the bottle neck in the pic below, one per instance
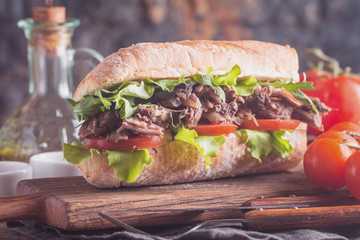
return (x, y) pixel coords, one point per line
(50, 62)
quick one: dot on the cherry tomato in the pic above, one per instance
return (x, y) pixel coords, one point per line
(215, 129)
(270, 124)
(346, 126)
(352, 174)
(132, 143)
(342, 136)
(341, 93)
(324, 163)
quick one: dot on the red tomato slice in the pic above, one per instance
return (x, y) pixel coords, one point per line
(132, 143)
(215, 129)
(270, 124)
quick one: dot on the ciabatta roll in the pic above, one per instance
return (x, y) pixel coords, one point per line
(164, 113)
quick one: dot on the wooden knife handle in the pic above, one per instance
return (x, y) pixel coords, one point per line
(304, 201)
(303, 217)
(22, 207)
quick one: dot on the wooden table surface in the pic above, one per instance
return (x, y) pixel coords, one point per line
(268, 185)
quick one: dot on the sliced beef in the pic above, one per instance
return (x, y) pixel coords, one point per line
(142, 126)
(281, 111)
(135, 126)
(308, 116)
(270, 103)
(191, 116)
(216, 111)
(118, 134)
(223, 112)
(151, 120)
(261, 105)
(207, 96)
(100, 124)
(182, 96)
(288, 98)
(157, 114)
(231, 96)
(320, 106)
(245, 114)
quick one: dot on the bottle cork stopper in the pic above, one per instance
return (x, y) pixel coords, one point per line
(49, 38)
(49, 14)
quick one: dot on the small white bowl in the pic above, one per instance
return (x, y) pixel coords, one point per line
(52, 164)
(11, 172)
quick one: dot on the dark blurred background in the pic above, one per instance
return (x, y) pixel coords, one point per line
(108, 25)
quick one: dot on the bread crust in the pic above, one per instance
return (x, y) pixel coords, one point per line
(178, 162)
(171, 60)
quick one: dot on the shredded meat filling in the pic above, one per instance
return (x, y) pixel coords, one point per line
(270, 103)
(182, 96)
(189, 103)
(214, 109)
(100, 124)
(152, 120)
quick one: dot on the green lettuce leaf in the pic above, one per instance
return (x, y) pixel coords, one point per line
(258, 142)
(228, 79)
(290, 86)
(127, 165)
(137, 89)
(210, 146)
(76, 153)
(246, 87)
(122, 96)
(205, 79)
(264, 143)
(88, 107)
(207, 145)
(106, 102)
(187, 135)
(126, 106)
(282, 146)
(215, 82)
(167, 84)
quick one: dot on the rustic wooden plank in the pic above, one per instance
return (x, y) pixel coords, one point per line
(72, 204)
(315, 217)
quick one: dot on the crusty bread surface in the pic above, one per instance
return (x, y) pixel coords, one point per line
(171, 60)
(178, 162)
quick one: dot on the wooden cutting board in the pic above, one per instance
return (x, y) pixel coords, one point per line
(73, 204)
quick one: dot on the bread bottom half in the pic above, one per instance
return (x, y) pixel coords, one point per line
(178, 162)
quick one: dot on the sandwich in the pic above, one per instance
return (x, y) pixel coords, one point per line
(164, 113)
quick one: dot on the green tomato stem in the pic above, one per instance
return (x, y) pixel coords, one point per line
(330, 62)
(352, 146)
(353, 134)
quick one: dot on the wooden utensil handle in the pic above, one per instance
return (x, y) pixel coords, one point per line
(303, 201)
(22, 207)
(303, 217)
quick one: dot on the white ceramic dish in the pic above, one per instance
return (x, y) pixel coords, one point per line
(52, 164)
(11, 172)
